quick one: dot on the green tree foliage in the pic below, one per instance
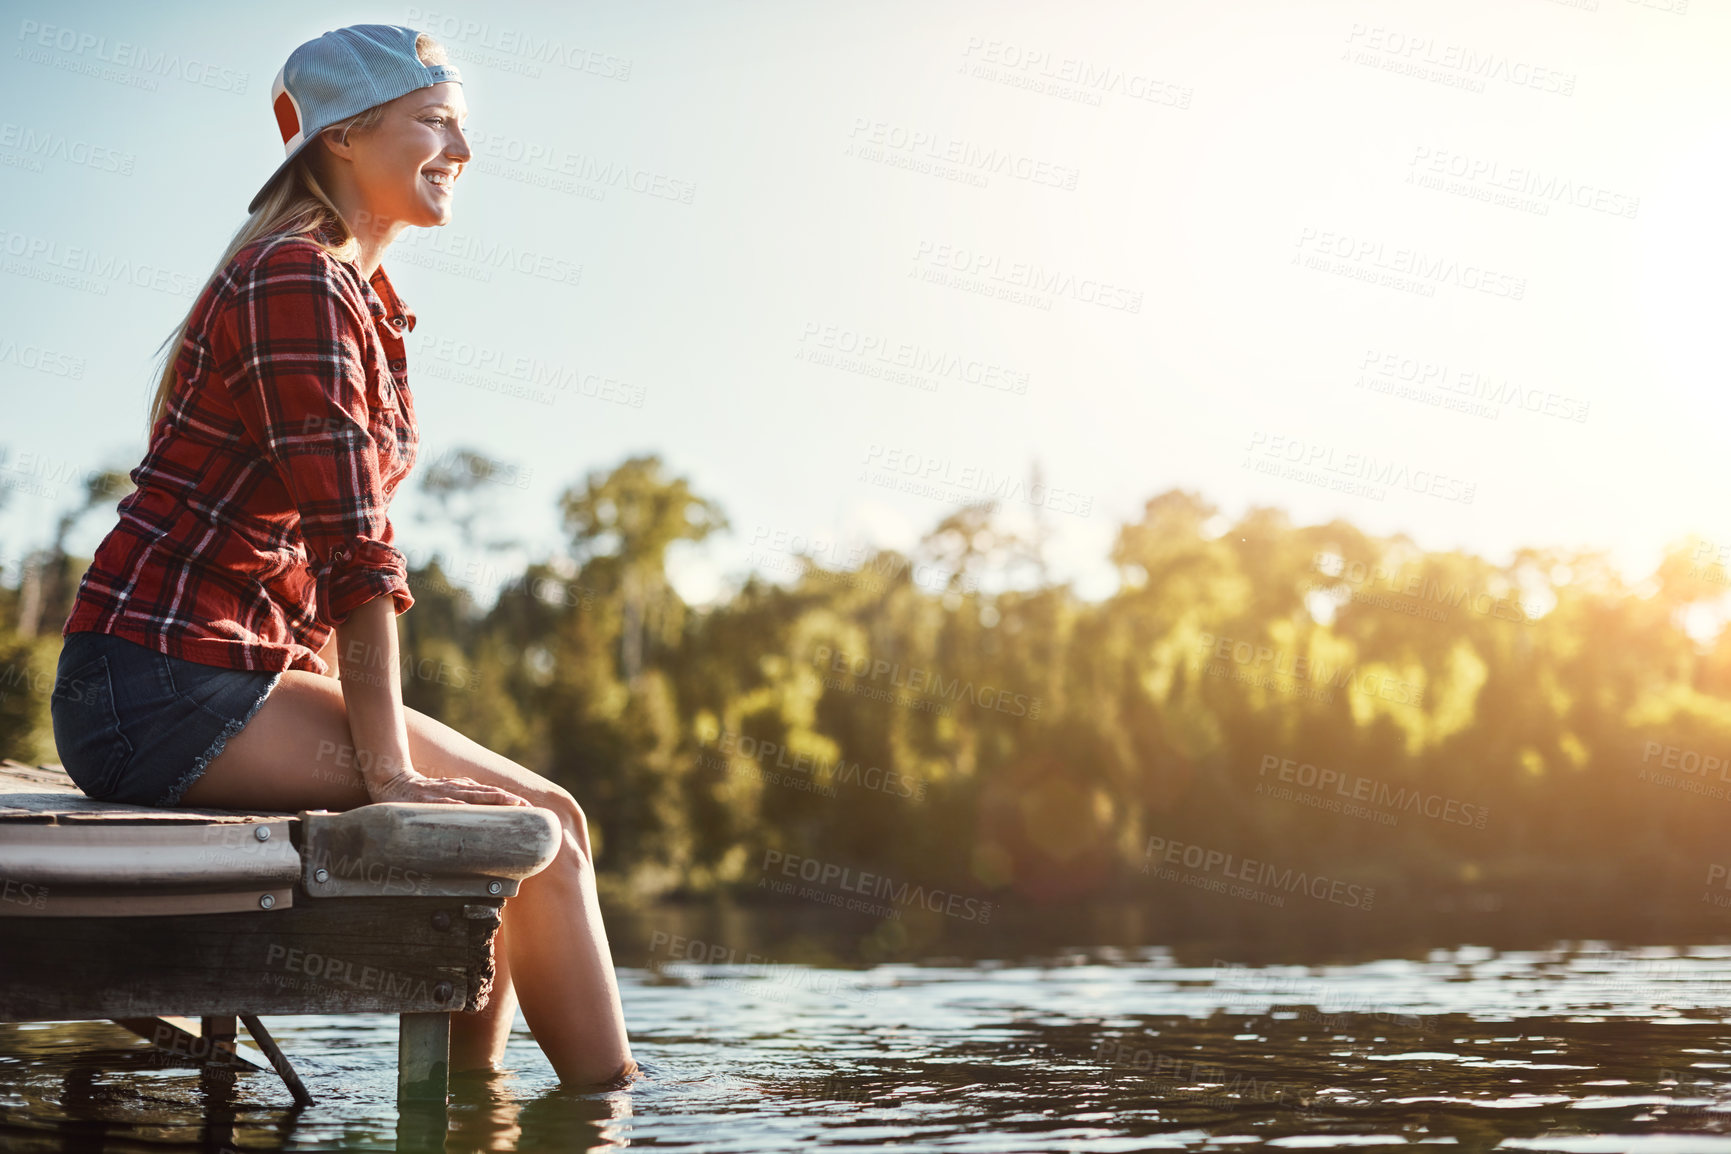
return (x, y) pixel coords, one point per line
(953, 719)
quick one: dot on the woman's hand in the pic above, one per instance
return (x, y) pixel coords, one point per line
(412, 785)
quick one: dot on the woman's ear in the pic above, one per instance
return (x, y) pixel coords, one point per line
(335, 142)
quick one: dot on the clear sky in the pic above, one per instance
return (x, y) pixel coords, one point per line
(1449, 269)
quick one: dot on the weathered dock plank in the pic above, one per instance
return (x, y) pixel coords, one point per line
(353, 955)
(138, 914)
(43, 793)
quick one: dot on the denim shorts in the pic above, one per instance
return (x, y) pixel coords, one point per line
(137, 726)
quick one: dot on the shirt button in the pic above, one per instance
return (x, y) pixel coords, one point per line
(398, 321)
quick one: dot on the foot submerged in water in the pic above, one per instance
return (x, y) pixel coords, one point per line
(628, 1073)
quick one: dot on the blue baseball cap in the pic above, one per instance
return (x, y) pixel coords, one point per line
(344, 72)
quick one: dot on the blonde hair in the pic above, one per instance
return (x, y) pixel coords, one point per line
(296, 203)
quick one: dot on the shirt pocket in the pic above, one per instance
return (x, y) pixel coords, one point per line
(385, 418)
(383, 393)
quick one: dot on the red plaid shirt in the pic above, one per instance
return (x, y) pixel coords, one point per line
(259, 521)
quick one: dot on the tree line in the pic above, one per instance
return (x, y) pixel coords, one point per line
(1258, 702)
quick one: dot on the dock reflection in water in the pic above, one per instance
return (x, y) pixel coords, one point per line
(1578, 1047)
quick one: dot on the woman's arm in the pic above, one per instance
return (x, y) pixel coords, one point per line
(293, 340)
(372, 690)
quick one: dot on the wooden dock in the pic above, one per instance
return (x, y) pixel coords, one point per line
(155, 917)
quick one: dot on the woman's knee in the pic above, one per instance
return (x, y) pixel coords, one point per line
(444, 752)
(573, 821)
(572, 818)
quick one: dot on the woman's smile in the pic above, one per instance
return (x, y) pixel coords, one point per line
(439, 178)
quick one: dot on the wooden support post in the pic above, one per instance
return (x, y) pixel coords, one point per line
(423, 1057)
(173, 1036)
(217, 1033)
(278, 1059)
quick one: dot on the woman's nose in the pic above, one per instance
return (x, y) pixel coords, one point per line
(458, 149)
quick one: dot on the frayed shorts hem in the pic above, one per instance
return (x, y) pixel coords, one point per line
(135, 726)
(230, 728)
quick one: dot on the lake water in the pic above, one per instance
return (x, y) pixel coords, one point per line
(1575, 1046)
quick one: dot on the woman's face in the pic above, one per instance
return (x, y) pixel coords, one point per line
(394, 165)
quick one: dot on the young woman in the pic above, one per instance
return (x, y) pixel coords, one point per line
(238, 624)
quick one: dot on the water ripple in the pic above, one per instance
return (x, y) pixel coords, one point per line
(1576, 1047)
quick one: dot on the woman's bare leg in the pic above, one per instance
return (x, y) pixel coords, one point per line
(478, 1037)
(579, 1024)
(297, 753)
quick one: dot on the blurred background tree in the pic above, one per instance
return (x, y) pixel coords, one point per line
(1051, 736)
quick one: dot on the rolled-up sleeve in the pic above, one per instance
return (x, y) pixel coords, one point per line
(299, 382)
